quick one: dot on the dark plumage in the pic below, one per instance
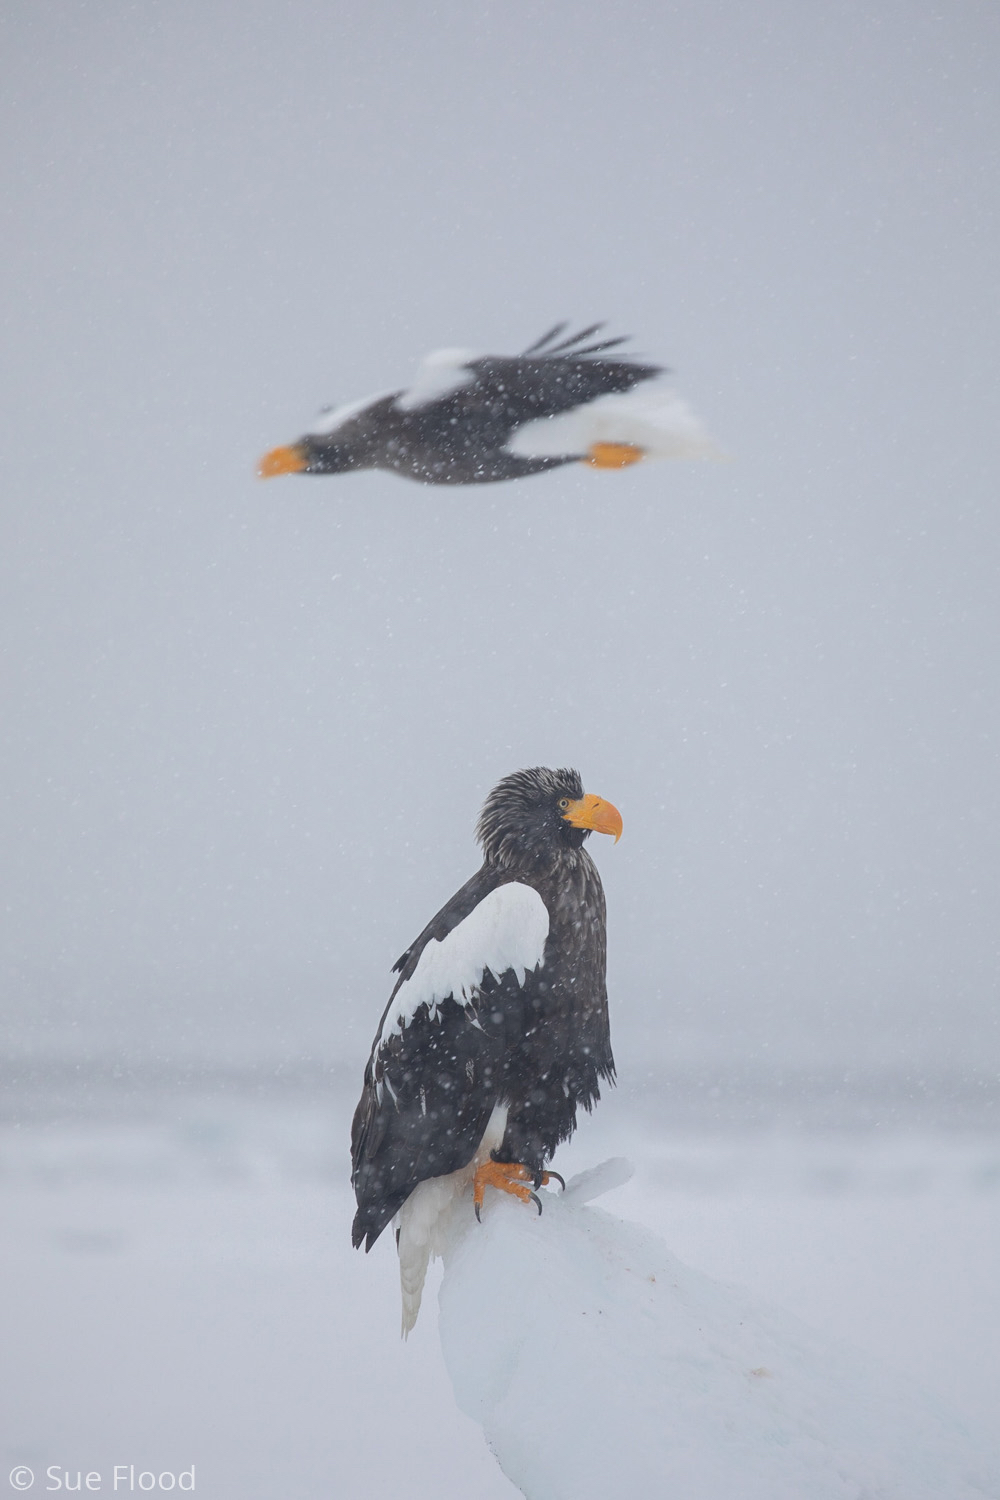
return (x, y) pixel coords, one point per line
(472, 419)
(497, 1028)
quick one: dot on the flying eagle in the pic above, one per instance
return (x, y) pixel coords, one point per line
(472, 419)
(497, 1029)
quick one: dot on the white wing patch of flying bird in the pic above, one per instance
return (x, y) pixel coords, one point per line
(438, 374)
(651, 417)
(507, 930)
(336, 416)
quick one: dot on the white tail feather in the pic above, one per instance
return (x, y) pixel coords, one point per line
(422, 1220)
(652, 417)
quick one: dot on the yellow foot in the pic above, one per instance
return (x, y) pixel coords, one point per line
(613, 455)
(509, 1177)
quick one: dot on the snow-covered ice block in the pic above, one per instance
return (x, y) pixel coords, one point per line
(598, 1364)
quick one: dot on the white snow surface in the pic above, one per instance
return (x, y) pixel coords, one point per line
(181, 1288)
(507, 930)
(599, 1364)
(438, 374)
(652, 416)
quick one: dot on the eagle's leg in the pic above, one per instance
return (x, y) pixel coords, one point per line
(509, 1177)
(613, 455)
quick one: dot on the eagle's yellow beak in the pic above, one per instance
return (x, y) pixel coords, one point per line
(594, 813)
(290, 460)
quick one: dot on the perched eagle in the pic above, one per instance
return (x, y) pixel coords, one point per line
(472, 419)
(497, 1029)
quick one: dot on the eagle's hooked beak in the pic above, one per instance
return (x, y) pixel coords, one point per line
(596, 814)
(288, 460)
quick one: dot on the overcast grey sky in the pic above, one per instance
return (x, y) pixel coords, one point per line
(248, 726)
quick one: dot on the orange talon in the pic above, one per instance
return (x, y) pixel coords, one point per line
(613, 455)
(509, 1177)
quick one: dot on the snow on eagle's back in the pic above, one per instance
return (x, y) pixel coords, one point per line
(507, 930)
(598, 1364)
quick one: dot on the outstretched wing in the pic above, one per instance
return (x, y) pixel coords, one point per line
(552, 378)
(491, 395)
(435, 1070)
(577, 342)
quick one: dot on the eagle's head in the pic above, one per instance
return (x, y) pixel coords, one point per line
(310, 455)
(533, 816)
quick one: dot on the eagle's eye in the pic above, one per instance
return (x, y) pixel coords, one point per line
(563, 803)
